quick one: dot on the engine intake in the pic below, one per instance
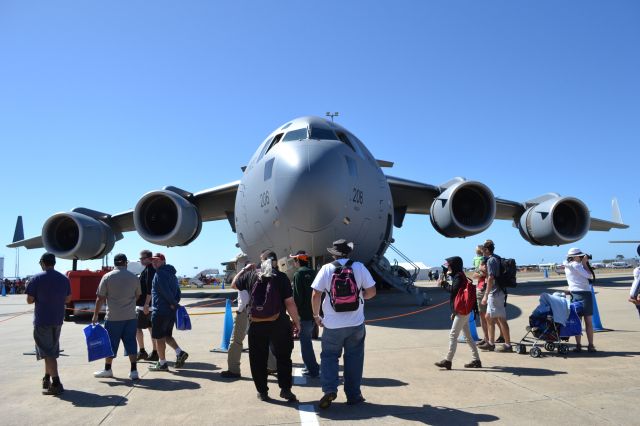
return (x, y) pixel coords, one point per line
(463, 209)
(77, 236)
(560, 220)
(166, 218)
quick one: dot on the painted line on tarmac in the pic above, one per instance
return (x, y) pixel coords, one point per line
(298, 378)
(308, 415)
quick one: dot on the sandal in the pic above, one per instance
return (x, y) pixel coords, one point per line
(591, 348)
(578, 348)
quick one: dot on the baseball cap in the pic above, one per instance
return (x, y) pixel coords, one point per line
(119, 259)
(300, 255)
(159, 256)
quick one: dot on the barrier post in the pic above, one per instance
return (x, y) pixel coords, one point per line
(472, 329)
(597, 324)
(227, 329)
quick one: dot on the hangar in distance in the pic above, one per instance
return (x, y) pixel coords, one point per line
(310, 182)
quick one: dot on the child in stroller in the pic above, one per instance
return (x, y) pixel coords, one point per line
(551, 324)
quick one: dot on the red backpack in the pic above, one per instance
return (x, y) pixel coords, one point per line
(344, 293)
(465, 300)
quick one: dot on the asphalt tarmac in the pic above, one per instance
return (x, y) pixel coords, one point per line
(401, 385)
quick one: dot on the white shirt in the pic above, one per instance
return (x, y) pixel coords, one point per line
(636, 283)
(322, 283)
(243, 300)
(577, 276)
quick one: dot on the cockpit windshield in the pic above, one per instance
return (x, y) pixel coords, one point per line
(295, 135)
(322, 133)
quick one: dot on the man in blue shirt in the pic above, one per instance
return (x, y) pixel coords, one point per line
(50, 291)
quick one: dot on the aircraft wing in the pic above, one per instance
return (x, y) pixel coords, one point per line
(213, 204)
(466, 208)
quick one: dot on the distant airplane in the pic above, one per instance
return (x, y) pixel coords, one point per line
(310, 182)
(618, 217)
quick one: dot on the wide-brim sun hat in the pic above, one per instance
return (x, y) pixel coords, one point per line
(340, 248)
(575, 252)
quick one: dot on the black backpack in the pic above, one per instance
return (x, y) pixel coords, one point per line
(508, 270)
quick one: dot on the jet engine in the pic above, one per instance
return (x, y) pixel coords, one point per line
(167, 218)
(77, 236)
(559, 220)
(465, 208)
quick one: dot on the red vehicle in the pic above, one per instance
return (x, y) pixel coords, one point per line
(84, 285)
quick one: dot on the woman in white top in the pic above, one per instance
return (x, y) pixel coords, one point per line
(578, 273)
(634, 294)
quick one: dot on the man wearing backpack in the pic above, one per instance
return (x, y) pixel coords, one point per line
(346, 285)
(302, 291)
(496, 300)
(269, 325)
(463, 302)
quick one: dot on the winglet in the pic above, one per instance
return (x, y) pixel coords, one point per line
(615, 211)
(18, 234)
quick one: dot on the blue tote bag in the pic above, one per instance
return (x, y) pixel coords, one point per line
(183, 322)
(98, 342)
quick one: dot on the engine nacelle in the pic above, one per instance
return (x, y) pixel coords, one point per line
(166, 218)
(77, 236)
(560, 220)
(465, 208)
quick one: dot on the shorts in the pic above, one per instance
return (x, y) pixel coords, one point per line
(144, 320)
(495, 305)
(125, 331)
(479, 295)
(47, 338)
(162, 325)
(586, 297)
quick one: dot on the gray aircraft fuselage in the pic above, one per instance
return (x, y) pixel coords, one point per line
(309, 183)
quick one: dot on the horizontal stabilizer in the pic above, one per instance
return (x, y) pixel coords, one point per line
(31, 243)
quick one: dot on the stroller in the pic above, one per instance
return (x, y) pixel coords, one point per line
(551, 324)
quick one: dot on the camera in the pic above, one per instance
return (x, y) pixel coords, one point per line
(589, 256)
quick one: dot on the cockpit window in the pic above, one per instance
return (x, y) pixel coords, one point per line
(345, 139)
(295, 135)
(322, 133)
(271, 144)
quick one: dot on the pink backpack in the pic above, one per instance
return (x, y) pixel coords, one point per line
(344, 293)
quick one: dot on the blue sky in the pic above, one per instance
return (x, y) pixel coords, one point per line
(101, 102)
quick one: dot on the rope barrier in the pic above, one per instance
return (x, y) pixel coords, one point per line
(428, 308)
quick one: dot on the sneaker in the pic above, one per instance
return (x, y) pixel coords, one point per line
(159, 367)
(311, 376)
(153, 356)
(500, 339)
(443, 364)
(180, 359)
(481, 342)
(357, 400)
(142, 355)
(228, 374)
(54, 390)
(46, 382)
(504, 348)
(264, 396)
(272, 372)
(474, 364)
(103, 374)
(488, 347)
(288, 395)
(133, 375)
(327, 399)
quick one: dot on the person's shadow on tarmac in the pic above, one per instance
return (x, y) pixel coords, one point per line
(426, 414)
(92, 400)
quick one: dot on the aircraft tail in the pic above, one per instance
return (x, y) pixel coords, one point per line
(18, 234)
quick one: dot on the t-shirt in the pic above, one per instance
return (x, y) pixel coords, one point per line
(121, 288)
(302, 280)
(322, 283)
(49, 289)
(250, 278)
(577, 276)
(146, 278)
(493, 270)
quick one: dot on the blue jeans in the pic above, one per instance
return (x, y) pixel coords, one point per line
(306, 347)
(333, 341)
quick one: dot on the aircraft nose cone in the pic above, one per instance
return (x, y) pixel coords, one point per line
(310, 182)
